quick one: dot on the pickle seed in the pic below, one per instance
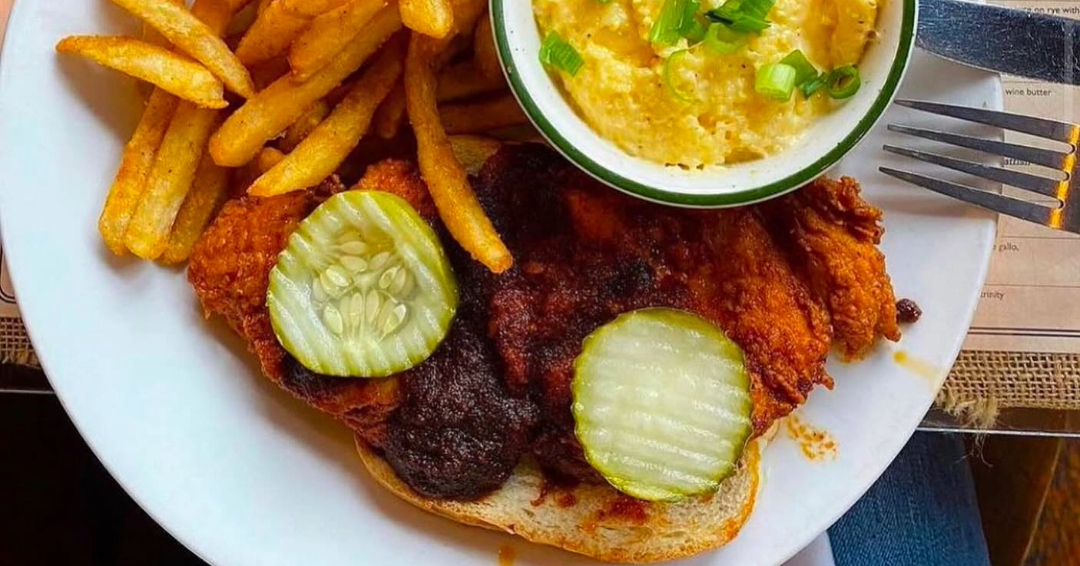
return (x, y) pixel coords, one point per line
(387, 277)
(332, 318)
(356, 309)
(401, 278)
(354, 247)
(338, 276)
(318, 291)
(371, 306)
(353, 263)
(394, 319)
(380, 260)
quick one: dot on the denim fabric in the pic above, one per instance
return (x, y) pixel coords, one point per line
(921, 512)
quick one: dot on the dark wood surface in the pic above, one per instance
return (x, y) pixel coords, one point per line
(58, 506)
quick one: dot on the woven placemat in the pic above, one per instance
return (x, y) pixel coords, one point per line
(982, 383)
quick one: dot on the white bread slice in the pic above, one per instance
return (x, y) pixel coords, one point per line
(586, 518)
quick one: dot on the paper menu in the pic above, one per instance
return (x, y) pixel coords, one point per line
(1031, 301)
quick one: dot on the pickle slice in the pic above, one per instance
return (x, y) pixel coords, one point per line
(662, 404)
(363, 288)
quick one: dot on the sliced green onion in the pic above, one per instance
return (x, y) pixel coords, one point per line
(749, 23)
(698, 30)
(728, 11)
(756, 8)
(723, 40)
(804, 69)
(669, 64)
(556, 52)
(735, 14)
(813, 85)
(667, 29)
(843, 82)
(775, 81)
(689, 17)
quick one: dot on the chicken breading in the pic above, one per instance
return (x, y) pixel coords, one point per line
(780, 279)
(833, 234)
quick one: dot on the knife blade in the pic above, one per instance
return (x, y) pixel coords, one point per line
(1014, 42)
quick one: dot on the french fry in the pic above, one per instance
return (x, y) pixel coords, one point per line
(303, 126)
(434, 18)
(209, 191)
(464, 80)
(170, 180)
(483, 116)
(320, 154)
(216, 14)
(328, 34)
(311, 8)
(263, 4)
(466, 14)
(473, 151)
(279, 23)
(484, 53)
(159, 66)
(282, 103)
(135, 165)
(267, 159)
(390, 114)
(446, 179)
(195, 38)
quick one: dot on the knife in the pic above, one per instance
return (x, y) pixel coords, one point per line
(1014, 42)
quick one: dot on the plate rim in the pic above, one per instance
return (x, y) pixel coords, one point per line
(17, 16)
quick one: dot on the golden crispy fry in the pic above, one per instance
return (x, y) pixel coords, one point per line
(208, 192)
(473, 151)
(328, 34)
(278, 24)
(264, 74)
(303, 126)
(195, 38)
(130, 181)
(320, 154)
(271, 35)
(267, 159)
(484, 116)
(170, 180)
(388, 118)
(484, 52)
(445, 178)
(466, 14)
(464, 80)
(262, 6)
(311, 8)
(429, 17)
(156, 65)
(216, 14)
(151, 35)
(280, 104)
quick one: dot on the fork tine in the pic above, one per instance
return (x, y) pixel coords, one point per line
(1050, 129)
(1034, 183)
(1005, 205)
(1045, 157)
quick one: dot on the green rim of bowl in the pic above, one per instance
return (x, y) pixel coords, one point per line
(749, 196)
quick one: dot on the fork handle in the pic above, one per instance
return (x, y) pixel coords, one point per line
(1014, 42)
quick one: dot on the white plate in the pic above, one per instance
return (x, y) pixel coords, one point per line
(243, 474)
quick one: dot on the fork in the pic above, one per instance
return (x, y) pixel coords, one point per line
(1066, 189)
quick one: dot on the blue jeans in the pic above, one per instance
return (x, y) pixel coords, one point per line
(921, 512)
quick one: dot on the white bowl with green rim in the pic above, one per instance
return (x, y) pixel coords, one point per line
(828, 139)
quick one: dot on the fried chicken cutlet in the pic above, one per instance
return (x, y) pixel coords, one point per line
(833, 235)
(499, 385)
